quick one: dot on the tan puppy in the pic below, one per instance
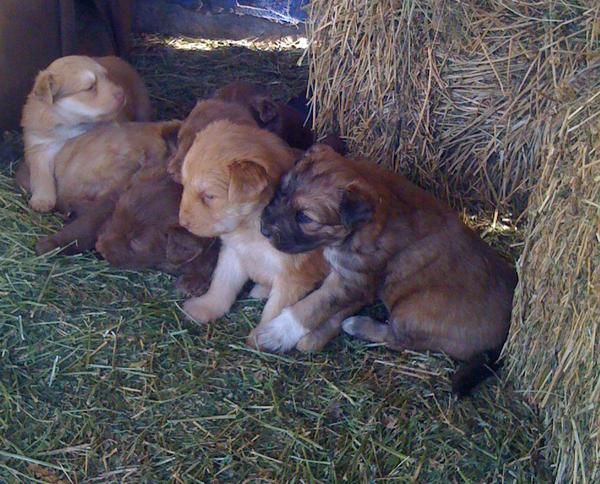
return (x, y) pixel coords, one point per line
(71, 96)
(103, 160)
(93, 169)
(229, 175)
(384, 237)
(204, 113)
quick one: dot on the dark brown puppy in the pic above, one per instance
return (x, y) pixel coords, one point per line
(384, 237)
(144, 232)
(279, 118)
(204, 113)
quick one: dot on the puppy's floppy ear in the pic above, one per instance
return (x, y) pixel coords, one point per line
(264, 109)
(182, 246)
(356, 206)
(45, 87)
(247, 180)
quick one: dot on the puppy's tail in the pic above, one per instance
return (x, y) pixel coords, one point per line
(472, 372)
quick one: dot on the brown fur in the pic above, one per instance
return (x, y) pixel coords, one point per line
(93, 169)
(71, 96)
(384, 237)
(204, 113)
(229, 175)
(137, 105)
(241, 92)
(143, 231)
(274, 116)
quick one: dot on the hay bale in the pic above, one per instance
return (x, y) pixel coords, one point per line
(484, 103)
(554, 345)
(456, 95)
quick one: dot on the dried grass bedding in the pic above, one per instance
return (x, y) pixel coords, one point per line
(102, 380)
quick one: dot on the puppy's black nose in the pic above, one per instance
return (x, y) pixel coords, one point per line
(265, 229)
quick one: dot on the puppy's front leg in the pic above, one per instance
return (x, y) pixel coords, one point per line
(297, 321)
(227, 281)
(323, 334)
(83, 231)
(41, 173)
(280, 337)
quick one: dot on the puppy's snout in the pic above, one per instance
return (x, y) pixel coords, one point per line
(185, 220)
(265, 228)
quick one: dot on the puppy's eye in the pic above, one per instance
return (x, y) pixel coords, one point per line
(302, 218)
(206, 198)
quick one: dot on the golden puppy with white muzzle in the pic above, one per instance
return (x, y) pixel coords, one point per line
(229, 175)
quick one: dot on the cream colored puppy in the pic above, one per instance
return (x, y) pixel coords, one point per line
(71, 96)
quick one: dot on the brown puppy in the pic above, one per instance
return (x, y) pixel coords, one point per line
(204, 113)
(94, 168)
(279, 118)
(70, 97)
(384, 237)
(229, 175)
(143, 232)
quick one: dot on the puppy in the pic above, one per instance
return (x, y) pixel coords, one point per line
(229, 175)
(279, 118)
(204, 113)
(71, 96)
(93, 169)
(384, 237)
(143, 232)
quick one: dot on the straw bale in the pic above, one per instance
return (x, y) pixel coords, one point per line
(457, 95)
(487, 103)
(554, 346)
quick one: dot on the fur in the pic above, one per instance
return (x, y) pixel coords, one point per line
(229, 175)
(385, 238)
(73, 95)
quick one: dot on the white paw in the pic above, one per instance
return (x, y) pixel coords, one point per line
(351, 325)
(42, 204)
(278, 335)
(202, 309)
(259, 292)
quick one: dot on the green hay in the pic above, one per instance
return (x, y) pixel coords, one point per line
(101, 379)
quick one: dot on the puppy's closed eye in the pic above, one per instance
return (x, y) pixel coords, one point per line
(303, 218)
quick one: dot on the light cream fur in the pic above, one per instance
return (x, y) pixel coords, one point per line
(71, 96)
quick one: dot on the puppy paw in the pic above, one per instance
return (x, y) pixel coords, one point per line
(259, 292)
(353, 325)
(313, 341)
(308, 343)
(280, 334)
(45, 244)
(191, 285)
(202, 309)
(42, 203)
